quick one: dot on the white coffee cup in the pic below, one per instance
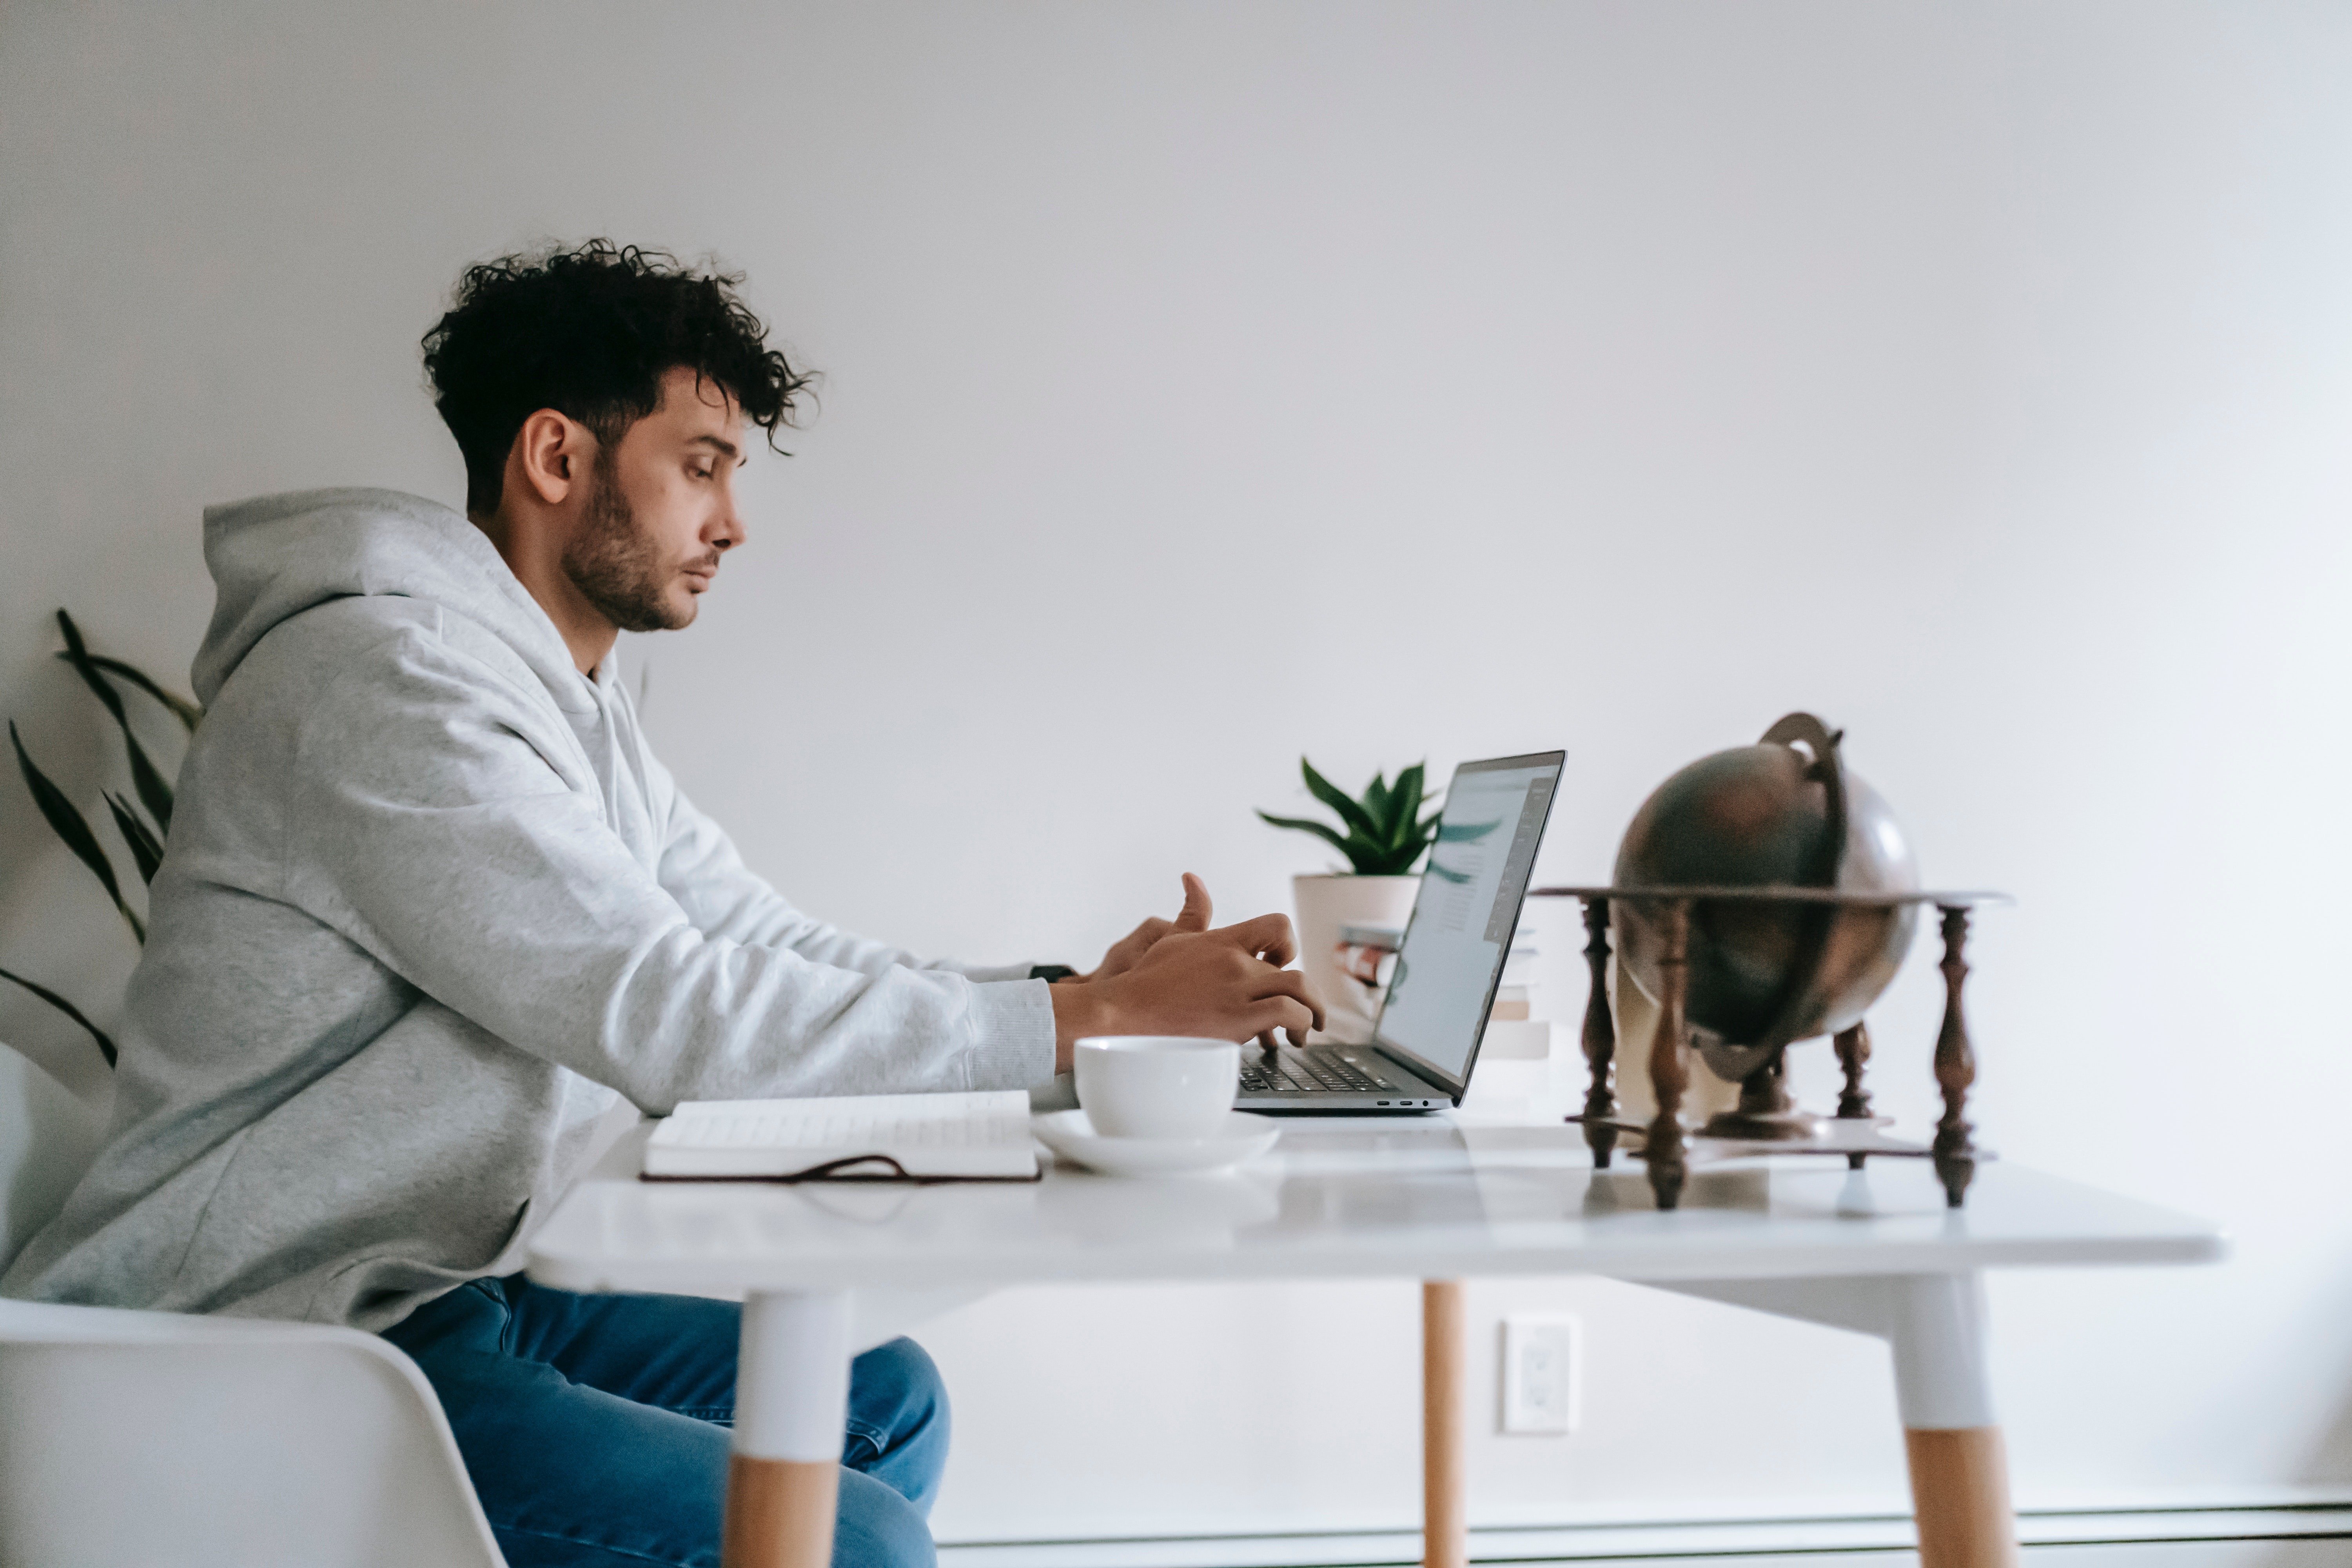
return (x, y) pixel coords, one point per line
(1157, 1086)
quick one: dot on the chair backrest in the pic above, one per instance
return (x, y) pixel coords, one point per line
(135, 1438)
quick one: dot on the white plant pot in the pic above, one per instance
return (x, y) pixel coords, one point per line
(1324, 905)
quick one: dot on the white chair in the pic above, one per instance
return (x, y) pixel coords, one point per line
(136, 1439)
(146, 1439)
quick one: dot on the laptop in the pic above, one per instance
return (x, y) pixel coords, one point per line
(1448, 966)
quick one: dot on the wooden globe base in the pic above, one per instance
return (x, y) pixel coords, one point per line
(1791, 1126)
(1767, 1121)
(1766, 1112)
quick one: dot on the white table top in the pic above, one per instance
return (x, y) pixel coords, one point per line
(1361, 1197)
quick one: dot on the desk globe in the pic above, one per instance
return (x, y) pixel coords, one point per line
(1764, 896)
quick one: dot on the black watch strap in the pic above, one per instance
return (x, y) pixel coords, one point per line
(1049, 972)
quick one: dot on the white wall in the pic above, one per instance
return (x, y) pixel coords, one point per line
(1212, 382)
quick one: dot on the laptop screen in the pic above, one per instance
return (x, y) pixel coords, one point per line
(1468, 907)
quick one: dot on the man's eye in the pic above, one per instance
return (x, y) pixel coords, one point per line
(705, 473)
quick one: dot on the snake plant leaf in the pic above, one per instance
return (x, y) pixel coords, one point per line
(1320, 829)
(1359, 821)
(1408, 796)
(154, 793)
(181, 708)
(105, 1045)
(1376, 805)
(67, 824)
(146, 852)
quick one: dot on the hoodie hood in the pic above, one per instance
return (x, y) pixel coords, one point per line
(273, 557)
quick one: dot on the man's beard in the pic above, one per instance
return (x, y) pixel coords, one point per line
(614, 567)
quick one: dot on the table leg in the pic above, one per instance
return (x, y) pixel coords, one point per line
(1960, 1474)
(1934, 1323)
(791, 1397)
(1444, 1524)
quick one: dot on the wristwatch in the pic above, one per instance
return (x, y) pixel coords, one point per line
(1049, 972)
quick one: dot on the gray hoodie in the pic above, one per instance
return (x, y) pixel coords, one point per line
(430, 908)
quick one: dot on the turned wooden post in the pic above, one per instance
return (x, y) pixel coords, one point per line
(1956, 1065)
(1663, 1148)
(1853, 1104)
(1600, 1037)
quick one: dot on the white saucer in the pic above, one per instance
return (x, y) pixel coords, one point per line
(1069, 1134)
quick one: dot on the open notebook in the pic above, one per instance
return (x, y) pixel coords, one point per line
(871, 1137)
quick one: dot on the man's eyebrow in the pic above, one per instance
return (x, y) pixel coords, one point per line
(725, 446)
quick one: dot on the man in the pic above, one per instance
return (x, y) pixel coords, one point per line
(431, 909)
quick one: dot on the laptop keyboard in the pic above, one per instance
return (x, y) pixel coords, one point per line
(1294, 1072)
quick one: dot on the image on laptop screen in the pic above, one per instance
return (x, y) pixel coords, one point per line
(1467, 908)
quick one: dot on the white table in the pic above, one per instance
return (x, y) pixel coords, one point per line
(828, 1270)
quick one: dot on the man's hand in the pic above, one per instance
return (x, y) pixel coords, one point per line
(1128, 951)
(1180, 977)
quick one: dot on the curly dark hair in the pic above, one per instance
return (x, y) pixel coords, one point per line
(588, 332)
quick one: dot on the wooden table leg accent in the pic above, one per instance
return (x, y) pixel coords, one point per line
(780, 1511)
(1959, 1493)
(1960, 1479)
(1600, 1037)
(1444, 1524)
(1663, 1149)
(791, 1398)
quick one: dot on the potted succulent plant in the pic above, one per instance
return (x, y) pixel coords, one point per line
(1383, 835)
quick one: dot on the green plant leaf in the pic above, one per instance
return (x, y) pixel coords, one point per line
(1407, 802)
(154, 793)
(1376, 805)
(105, 1045)
(146, 853)
(1320, 829)
(184, 711)
(1357, 821)
(67, 824)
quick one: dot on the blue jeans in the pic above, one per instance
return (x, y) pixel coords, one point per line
(595, 1427)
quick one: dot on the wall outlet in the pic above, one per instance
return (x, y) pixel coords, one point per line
(1543, 1372)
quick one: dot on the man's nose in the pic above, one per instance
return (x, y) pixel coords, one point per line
(727, 531)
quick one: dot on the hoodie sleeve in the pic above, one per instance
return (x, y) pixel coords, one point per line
(725, 898)
(437, 823)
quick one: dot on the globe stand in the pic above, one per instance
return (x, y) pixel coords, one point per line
(1668, 1149)
(1853, 1104)
(1767, 1112)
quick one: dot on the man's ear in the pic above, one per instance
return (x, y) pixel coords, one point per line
(551, 453)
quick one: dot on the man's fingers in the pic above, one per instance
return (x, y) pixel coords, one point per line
(1194, 915)
(1291, 983)
(1268, 936)
(1287, 1014)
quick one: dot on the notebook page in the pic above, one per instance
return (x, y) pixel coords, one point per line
(983, 1134)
